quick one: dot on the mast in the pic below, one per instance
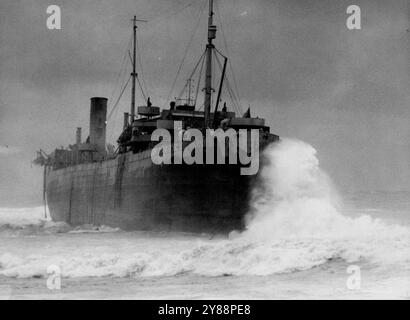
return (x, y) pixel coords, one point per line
(133, 74)
(208, 72)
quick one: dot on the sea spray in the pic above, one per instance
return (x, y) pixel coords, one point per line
(296, 199)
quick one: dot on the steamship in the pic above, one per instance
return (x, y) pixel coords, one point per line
(87, 183)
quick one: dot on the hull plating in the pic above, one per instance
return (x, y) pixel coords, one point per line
(132, 193)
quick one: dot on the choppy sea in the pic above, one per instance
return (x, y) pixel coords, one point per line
(304, 240)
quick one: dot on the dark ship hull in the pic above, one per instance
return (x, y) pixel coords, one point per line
(132, 193)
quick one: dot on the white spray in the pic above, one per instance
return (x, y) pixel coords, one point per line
(296, 199)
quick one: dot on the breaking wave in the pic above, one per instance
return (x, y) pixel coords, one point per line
(211, 259)
(296, 223)
(295, 199)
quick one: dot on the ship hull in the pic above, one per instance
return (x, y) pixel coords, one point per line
(132, 193)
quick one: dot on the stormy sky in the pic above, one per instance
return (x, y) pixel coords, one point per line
(346, 92)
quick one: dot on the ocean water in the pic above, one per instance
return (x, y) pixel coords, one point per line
(303, 240)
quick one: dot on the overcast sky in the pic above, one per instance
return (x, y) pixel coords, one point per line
(345, 92)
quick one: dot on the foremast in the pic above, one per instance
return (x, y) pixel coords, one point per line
(134, 74)
(208, 67)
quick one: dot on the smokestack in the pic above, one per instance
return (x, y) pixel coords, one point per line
(78, 136)
(76, 154)
(98, 117)
(126, 117)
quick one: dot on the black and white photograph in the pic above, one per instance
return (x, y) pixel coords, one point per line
(208, 150)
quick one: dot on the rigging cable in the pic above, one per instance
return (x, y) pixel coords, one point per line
(140, 64)
(121, 69)
(228, 87)
(235, 99)
(162, 17)
(192, 74)
(173, 13)
(142, 91)
(186, 52)
(118, 100)
(144, 96)
(122, 74)
(227, 51)
(199, 79)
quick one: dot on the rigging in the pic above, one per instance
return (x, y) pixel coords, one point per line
(227, 52)
(186, 51)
